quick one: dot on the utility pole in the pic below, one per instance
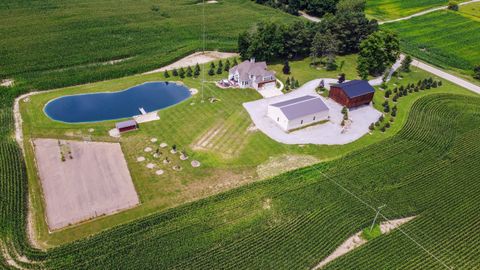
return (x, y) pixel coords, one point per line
(376, 216)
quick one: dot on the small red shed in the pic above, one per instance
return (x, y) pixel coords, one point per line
(126, 126)
(352, 94)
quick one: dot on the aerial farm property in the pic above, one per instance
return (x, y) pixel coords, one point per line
(239, 134)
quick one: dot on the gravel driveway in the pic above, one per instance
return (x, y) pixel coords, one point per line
(330, 133)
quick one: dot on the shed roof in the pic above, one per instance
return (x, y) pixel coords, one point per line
(355, 88)
(301, 106)
(125, 124)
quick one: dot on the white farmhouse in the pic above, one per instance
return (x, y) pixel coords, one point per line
(298, 112)
(251, 74)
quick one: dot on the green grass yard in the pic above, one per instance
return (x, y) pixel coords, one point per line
(234, 157)
(445, 38)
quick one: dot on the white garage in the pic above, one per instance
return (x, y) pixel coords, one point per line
(298, 112)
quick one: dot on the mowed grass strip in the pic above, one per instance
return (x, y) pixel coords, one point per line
(444, 38)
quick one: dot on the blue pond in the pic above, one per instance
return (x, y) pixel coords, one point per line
(96, 107)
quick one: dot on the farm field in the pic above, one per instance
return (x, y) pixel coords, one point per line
(52, 44)
(444, 38)
(472, 10)
(392, 9)
(233, 156)
(292, 221)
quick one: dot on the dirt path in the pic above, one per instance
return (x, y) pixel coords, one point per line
(356, 240)
(309, 17)
(426, 12)
(193, 59)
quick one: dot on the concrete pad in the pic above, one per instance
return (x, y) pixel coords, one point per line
(330, 133)
(95, 182)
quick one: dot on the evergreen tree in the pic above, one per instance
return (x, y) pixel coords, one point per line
(371, 127)
(297, 84)
(406, 63)
(211, 72)
(166, 74)
(219, 70)
(189, 71)
(227, 65)
(476, 72)
(286, 68)
(175, 72)
(212, 65)
(388, 93)
(196, 72)
(181, 73)
(220, 64)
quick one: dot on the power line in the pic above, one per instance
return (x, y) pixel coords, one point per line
(384, 217)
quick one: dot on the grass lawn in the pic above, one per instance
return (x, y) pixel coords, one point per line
(234, 156)
(445, 38)
(392, 9)
(375, 232)
(57, 43)
(302, 71)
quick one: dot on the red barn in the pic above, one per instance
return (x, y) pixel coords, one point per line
(352, 94)
(126, 126)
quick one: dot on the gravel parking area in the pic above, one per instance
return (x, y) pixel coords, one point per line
(91, 181)
(330, 133)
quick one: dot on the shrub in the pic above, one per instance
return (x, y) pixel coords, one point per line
(371, 127)
(476, 72)
(452, 5)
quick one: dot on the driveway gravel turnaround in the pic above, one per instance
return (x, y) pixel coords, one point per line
(330, 133)
(94, 182)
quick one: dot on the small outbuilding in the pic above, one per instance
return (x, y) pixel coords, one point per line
(298, 112)
(126, 126)
(352, 94)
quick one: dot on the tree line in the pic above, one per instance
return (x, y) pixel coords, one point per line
(313, 7)
(348, 31)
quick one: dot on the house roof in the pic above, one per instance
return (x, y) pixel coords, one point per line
(355, 88)
(125, 124)
(247, 68)
(301, 106)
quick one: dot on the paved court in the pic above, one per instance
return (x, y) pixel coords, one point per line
(93, 180)
(330, 133)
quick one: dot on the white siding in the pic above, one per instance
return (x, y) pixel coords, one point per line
(280, 119)
(307, 120)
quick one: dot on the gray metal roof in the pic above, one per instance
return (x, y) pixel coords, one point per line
(355, 88)
(125, 124)
(301, 106)
(249, 67)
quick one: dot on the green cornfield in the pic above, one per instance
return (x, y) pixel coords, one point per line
(443, 38)
(429, 170)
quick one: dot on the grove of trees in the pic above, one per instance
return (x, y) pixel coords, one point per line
(377, 52)
(335, 34)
